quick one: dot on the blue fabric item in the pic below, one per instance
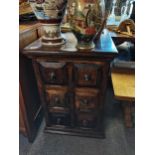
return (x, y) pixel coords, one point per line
(126, 51)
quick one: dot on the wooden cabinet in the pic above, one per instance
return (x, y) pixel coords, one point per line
(22, 121)
(30, 108)
(30, 112)
(72, 86)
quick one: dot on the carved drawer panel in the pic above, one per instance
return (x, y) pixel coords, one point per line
(87, 74)
(60, 119)
(86, 120)
(57, 99)
(54, 72)
(86, 99)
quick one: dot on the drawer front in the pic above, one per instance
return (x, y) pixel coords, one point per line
(54, 72)
(86, 100)
(87, 74)
(86, 120)
(57, 99)
(60, 119)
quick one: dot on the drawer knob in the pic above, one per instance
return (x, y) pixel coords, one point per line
(57, 100)
(84, 102)
(87, 77)
(53, 76)
(58, 120)
(85, 123)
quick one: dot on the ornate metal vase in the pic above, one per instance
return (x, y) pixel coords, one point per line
(88, 19)
(50, 13)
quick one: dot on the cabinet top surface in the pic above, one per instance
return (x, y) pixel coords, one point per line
(104, 46)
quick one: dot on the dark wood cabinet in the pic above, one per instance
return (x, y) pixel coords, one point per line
(30, 107)
(72, 86)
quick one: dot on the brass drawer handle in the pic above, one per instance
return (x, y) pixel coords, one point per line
(84, 102)
(55, 102)
(87, 77)
(53, 76)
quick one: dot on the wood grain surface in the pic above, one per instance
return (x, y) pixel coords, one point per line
(123, 85)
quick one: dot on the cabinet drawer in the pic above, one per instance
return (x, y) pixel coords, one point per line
(54, 72)
(60, 119)
(86, 120)
(87, 74)
(57, 99)
(86, 99)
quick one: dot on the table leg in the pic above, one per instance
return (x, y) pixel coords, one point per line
(128, 114)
